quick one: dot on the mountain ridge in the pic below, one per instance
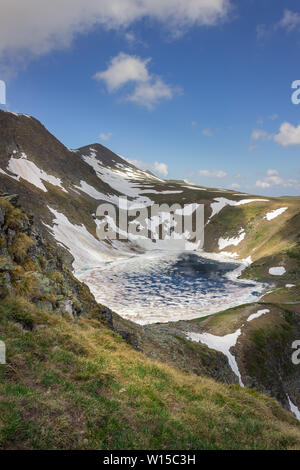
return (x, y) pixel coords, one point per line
(71, 381)
(61, 190)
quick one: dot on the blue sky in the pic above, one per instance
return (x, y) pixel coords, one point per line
(191, 89)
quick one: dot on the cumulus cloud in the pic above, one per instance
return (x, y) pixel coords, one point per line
(106, 136)
(290, 21)
(122, 69)
(161, 168)
(150, 93)
(273, 178)
(38, 27)
(157, 167)
(149, 89)
(262, 184)
(288, 135)
(213, 174)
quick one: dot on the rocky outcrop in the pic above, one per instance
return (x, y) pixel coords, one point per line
(32, 268)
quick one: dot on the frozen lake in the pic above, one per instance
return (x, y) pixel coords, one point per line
(163, 287)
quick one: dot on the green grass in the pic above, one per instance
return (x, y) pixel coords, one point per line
(79, 386)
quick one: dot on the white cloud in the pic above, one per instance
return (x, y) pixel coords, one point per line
(130, 37)
(149, 89)
(213, 174)
(273, 178)
(148, 94)
(124, 68)
(288, 135)
(106, 136)
(235, 186)
(37, 27)
(273, 117)
(262, 184)
(290, 21)
(189, 182)
(260, 134)
(158, 167)
(161, 168)
(207, 132)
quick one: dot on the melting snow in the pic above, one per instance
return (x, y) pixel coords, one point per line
(118, 180)
(229, 255)
(289, 286)
(95, 194)
(294, 408)
(6, 174)
(273, 214)
(248, 201)
(224, 242)
(222, 202)
(258, 314)
(193, 188)
(277, 271)
(28, 170)
(86, 249)
(222, 344)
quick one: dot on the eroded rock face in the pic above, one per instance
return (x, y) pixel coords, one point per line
(32, 268)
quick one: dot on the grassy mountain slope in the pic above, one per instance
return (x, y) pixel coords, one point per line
(72, 370)
(72, 382)
(79, 386)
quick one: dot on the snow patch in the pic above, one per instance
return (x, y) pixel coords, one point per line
(229, 255)
(224, 242)
(193, 188)
(294, 408)
(119, 180)
(258, 314)
(273, 214)
(222, 202)
(277, 271)
(222, 344)
(249, 201)
(28, 171)
(94, 193)
(88, 252)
